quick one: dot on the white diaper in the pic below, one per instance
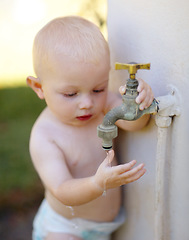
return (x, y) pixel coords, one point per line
(47, 220)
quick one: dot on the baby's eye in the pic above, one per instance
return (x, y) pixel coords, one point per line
(98, 90)
(69, 94)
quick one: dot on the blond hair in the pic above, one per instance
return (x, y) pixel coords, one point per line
(72, 37)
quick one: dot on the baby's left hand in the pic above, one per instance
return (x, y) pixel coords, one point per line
(145, 96)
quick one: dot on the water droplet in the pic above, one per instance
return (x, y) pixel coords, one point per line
(71, 209)
(104, 193)
(75, 226)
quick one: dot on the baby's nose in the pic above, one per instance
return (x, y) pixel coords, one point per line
(86, 102)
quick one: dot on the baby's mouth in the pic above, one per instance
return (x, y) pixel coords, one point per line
(84, 117)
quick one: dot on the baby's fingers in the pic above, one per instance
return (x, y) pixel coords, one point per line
(125, 167)
(134, 174)
(141, 85)
(145, 98)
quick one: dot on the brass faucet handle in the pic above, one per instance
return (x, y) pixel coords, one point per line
(132, 67)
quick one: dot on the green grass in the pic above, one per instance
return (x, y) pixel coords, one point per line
(19, 108)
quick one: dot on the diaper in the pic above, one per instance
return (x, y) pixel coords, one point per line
(47, 220)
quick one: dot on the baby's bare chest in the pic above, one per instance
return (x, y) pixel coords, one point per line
(83, 152)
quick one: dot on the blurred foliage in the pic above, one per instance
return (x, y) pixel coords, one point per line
(19, 109)
(96, 11)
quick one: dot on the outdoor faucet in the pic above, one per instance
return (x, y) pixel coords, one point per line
(128, 110)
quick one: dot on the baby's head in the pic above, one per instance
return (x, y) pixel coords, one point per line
(71, 60)
(68, 38)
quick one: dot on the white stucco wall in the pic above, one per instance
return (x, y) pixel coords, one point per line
(157, 32)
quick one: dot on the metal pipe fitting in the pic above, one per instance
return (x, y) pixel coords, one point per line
(128, 110)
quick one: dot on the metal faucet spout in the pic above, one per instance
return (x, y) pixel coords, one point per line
(108, 130)
(113, 115)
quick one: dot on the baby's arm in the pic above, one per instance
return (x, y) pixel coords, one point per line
(51, 166)
(144, 98)
(83, 190)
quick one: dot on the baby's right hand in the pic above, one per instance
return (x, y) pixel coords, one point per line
(108, 176)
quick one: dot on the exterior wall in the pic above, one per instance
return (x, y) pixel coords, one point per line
(156, 32)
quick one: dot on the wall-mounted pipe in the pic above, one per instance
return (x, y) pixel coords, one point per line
(168, 108)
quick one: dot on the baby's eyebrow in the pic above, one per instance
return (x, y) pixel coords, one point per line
(103, 84)
(68, 88)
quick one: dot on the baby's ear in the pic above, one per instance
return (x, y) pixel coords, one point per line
(35, 84)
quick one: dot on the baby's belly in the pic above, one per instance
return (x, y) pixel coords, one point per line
(102, 209)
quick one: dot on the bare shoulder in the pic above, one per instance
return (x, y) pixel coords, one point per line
(47, 125)
(43, 127)
(44, 136)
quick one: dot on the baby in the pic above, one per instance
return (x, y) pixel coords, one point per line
(82, 183)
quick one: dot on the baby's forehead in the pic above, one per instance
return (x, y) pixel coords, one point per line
(73, 73)
(66, 61)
